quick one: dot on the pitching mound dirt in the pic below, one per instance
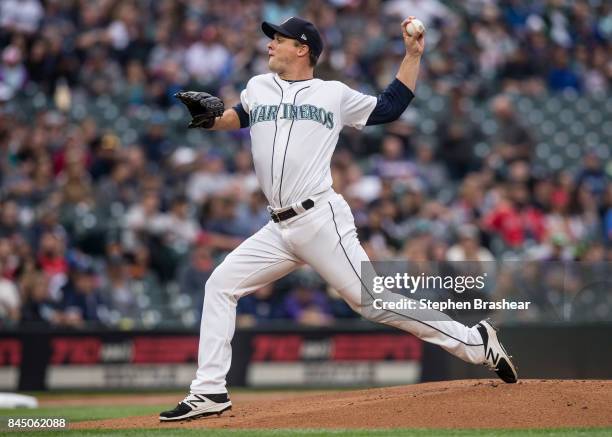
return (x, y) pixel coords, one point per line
(452, 404)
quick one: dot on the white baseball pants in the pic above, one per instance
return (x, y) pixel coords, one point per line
(325, 238)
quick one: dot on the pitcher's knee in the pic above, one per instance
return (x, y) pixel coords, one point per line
(218, 285)
(354, 305)
(214, 285)
(369, 312)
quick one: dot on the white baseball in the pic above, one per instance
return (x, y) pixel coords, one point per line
(415, 27)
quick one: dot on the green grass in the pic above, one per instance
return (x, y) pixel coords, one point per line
(79, 413)
(590, 432)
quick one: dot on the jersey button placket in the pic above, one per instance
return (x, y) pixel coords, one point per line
(281, 173)
(278, 153)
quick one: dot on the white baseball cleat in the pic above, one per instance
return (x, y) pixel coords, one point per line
(496, 357)
(194, 406)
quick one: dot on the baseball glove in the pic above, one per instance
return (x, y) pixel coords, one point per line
(203, 107)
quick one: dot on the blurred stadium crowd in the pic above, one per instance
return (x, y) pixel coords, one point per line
(112, 212)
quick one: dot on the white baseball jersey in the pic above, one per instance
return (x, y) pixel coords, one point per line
(294, 131)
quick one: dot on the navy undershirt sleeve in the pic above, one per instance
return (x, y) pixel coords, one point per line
(242, 115)
(391, 103)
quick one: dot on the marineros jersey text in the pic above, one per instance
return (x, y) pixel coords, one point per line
(288, 111)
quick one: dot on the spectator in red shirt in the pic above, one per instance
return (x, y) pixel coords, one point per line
(51, 251)
(514, 219)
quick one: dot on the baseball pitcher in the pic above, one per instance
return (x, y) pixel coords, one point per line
(294, 121)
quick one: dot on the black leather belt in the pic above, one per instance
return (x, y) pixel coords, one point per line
(289, 213)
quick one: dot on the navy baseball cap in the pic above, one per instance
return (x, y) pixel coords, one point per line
(298, 29)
